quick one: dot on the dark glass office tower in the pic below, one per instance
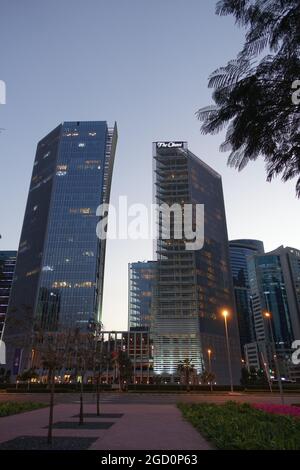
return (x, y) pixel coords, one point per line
(193, 287)
(58, 280)
(7, 267)
(274, 282)
(274, 285)
(239, 251)
(141, 277)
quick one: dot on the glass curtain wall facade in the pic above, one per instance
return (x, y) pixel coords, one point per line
(141, 280)
(192, 287)
(239, 251)
(268, 292)
(58, 280)
(7, 267)
(275, 285)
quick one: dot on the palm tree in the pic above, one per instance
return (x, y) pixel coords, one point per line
(186, 369)
(253, 93)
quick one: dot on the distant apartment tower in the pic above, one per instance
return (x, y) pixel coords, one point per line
(239, 251)
(275, 288)
(141, 276)
(7, 267)
(193, 286)
(58, 280)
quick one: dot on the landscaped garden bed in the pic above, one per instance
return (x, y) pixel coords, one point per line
(8, 408)
(241, 426)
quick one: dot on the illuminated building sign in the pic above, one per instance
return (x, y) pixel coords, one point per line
(169, 145)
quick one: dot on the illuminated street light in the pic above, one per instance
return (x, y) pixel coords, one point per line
(209, 367)
(225, 314)
(268, 316)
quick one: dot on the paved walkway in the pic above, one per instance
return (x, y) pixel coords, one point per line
(145, 427)
(154, 398)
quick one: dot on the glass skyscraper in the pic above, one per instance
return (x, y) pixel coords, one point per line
(239, 251)
(7, 267)
(140, 290)
(274, 280)
(274, 283)
(58, 280)
(193, 286)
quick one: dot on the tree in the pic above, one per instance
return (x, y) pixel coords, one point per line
(52, 350)
(124, 367)
(186, 369)
(253, 376)
(4, 376)
(20, 334)
(207, 377)
(83, 353)
(27, 376)
(101, 363)
(255, 96)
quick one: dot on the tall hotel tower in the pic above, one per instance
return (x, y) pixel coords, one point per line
(58, 279)
(193, 287)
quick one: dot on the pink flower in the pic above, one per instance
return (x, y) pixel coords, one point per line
(278, 409)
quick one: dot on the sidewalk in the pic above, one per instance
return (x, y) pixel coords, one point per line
(121, 427)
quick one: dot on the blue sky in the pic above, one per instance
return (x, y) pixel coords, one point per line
(145, 65)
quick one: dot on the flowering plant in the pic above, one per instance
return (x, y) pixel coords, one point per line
(278, 409)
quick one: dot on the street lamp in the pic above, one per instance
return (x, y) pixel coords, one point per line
(268, 316)
(209, 368)
(225, 314)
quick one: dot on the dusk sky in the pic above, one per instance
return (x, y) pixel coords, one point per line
(145, 65)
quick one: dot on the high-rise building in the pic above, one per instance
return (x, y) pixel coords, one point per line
(274, 280)
(140, 291)
(137, 345)
(7, 267)
(193, 286)
(239, 251)
(270, 285)
(58, 280)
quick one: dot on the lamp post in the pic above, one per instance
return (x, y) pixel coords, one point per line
(268, 316)
(225, 315)
(209, 367)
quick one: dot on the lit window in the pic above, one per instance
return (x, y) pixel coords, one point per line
(31, 273)
(88, 253)
(84, 284)
(47, 268)
(85, 210)
(61, 284)
(92, 134)
(81, 144)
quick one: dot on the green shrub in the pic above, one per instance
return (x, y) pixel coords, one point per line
(11, 407)
(241, 427)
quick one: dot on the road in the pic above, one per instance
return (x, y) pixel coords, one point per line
(153, 398)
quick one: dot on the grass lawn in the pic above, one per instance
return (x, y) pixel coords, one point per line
(239, 426)
(11, 407)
